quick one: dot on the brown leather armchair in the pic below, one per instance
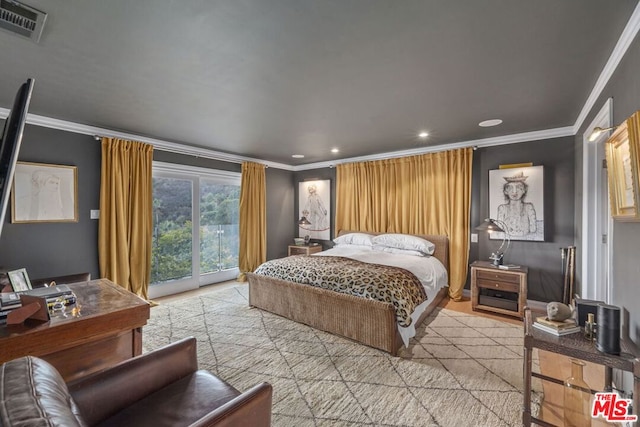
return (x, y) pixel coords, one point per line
(160, 388)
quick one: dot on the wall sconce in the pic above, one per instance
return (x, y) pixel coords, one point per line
(490, 225)
(305, 221)
(597, 131)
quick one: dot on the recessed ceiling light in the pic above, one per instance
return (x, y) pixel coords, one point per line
(489, 123)
(335, 150)
(298, 156)
(423, 135)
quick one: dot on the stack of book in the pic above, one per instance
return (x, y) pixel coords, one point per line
(11, 300)
(556, 328)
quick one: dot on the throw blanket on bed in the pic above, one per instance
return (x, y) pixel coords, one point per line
(348, 276)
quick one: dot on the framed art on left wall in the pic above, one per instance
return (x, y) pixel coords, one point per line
(44, 193)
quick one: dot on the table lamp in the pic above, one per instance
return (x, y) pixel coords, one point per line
(490, 225)
(304, 221)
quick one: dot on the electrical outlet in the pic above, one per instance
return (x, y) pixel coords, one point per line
(474, 237)
(95, 214)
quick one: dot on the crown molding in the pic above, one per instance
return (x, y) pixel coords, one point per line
(626, 38)
(475, 143)
(169, 146)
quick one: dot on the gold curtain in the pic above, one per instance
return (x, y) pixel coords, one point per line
(125, 227)
(253, 218)
(426, 194)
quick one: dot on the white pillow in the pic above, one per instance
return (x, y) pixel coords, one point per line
(361, 239)
(405, 241)
(397, 251)
(360, 248)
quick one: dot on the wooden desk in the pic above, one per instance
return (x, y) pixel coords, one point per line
(107, 331)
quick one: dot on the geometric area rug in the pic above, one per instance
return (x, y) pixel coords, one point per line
(459, 370)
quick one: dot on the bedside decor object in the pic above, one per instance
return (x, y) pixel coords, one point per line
(584, 307)
(577, 397)
(492, 226)
(558, 311)
(44, 193)
(516, 198)
(608, 329)
(299, 241)
(556, 332)
(303, 222)
(19, 280)
(556, 328)
(314, 205)
(590, 327)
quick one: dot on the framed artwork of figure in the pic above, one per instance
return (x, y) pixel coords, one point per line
(314, 203)
(516, 199)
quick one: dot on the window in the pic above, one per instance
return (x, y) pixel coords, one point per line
(195, 227)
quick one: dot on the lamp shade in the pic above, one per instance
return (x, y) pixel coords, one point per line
(303, 221)
(489, 225)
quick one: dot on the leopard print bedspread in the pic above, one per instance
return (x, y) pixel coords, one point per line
(348, 276)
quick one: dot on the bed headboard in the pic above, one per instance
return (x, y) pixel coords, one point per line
(442, 244)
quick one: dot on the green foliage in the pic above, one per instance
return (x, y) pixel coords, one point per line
(172, 237)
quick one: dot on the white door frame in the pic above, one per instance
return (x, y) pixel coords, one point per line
(596, 217)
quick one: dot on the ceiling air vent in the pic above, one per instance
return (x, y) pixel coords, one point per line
(22, 19)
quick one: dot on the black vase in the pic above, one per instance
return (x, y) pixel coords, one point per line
(608, 329)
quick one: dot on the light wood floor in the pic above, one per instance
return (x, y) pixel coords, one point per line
(551, 364)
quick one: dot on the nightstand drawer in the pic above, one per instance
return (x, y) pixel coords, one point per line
(304, 250)
(498, 276)
(497, 285)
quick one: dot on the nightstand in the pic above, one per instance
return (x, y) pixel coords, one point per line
(304, 249)
(497, 290)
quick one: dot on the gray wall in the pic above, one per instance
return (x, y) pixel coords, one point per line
(280, 217)
(624, 88)
(54, 249)
(542, 258)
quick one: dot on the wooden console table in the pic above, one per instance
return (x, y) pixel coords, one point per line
(107, 331)
(576, 346)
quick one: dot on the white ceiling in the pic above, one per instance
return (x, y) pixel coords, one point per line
(269, 78)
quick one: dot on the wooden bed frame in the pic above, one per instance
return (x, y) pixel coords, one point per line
(369, 322)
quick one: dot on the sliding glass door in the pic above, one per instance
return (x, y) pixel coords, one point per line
(219, 234)
(195, 228)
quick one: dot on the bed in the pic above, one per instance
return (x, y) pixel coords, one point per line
(367, 321)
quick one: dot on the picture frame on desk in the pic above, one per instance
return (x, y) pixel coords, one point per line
(44, 193)
(19, 280)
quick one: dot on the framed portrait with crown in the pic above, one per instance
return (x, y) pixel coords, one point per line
(516, 200)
